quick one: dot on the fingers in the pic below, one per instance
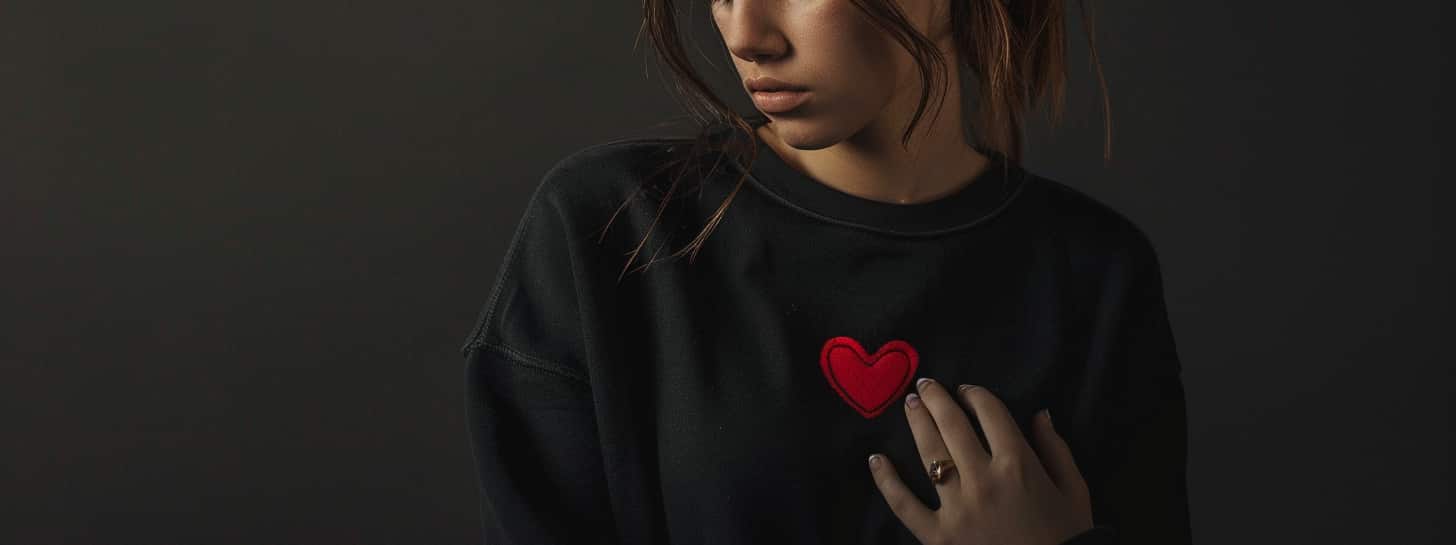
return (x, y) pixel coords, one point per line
(1002, 435)
(928, 440)
(918, 518)
(1056, 455)
(954, 426)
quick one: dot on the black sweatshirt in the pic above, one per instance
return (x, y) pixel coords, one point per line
(734, 399)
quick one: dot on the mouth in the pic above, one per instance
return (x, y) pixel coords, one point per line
(768, 84)
(779, 101)
(776, 88)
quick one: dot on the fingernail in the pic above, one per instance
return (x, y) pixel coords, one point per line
(912, 400)
(920, 384)
(1048, 412)
(963, 388)
(874, 461)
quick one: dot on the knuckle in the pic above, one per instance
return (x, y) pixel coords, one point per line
(1009, 465)
(1013, 472)
(982, 489)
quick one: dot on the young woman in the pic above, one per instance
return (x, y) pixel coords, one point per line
(874, 252)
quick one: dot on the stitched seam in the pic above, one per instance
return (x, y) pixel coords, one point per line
(774, 196)
(477, 335)
(478, 331)
(534, 363)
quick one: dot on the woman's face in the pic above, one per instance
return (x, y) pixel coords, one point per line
(857, 76)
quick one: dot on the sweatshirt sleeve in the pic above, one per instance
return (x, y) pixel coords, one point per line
(1144, 495)
(529, 403)
(536, 450)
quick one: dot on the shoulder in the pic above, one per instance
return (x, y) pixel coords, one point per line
(603, 202)
(624, 190)
(651, 166)
(554, 258)
(1093, 228)
(606, 173)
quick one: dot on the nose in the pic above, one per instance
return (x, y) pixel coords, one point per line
(751, 30)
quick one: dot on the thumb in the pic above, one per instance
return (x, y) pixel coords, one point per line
(1056, 455)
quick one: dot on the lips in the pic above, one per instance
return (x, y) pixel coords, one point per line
(779, 101)
(768, 84)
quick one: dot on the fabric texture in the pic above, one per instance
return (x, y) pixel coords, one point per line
(734, 398)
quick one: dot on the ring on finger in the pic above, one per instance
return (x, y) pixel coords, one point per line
(940, 470)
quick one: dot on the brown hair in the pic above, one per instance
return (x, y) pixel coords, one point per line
(1016, 48)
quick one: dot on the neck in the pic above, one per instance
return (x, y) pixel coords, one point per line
(873, 164)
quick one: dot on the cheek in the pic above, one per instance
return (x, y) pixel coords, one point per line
(851, 54)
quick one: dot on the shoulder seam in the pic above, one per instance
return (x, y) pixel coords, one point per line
(477, 334)
(532, 362)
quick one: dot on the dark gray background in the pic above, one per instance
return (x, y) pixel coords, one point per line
(243, 241)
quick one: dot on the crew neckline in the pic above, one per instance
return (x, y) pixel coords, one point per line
(974, 203)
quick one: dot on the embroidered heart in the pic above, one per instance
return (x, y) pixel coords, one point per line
(868, 383)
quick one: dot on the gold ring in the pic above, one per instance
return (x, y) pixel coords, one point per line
(940, 470)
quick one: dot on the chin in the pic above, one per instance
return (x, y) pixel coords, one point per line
(804, 132)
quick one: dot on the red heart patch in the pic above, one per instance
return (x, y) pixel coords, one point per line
(868, 383)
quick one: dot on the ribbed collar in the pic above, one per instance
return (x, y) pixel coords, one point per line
(974, 203)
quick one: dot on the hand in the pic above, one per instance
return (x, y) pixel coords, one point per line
(1001, 497)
